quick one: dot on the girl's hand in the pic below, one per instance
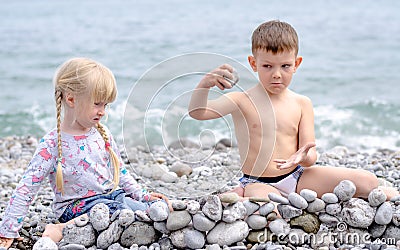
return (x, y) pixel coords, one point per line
(158, 196)
(296, 158)
(6, 242)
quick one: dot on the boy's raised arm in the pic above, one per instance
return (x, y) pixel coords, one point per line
(200, 107)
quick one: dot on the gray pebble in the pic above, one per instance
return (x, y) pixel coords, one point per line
(158, 211)
(228, 233)
(297, 200)
(357, 213)
(256, 221)
(233, 212)
(115, 215)
(178, 220)
(73, 247)
(316, 206)
(278, 198)
(330, 198)
(376, 197)
(194, 239)
(99, 216)
(178, 205)
(126, 217)
(109, 235)
(142, 216)
(79, 235)
(345, 190)
(202, 223)
(384, 214)
(333, 209)
(266, 208)
(288, 211)
(308, 194)
(251, 207)
(279, 227)
(82, 220)
(161, 226)
(45, 243)
(192, 206)
(213, 208)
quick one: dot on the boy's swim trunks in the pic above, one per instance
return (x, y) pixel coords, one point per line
(286, 183)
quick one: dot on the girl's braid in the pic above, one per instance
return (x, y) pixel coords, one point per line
(114, 158)
(59, 176)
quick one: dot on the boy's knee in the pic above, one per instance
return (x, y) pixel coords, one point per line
(367, 182)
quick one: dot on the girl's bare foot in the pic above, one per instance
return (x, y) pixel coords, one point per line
(54, 231)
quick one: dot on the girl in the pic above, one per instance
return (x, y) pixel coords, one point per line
(80, 156)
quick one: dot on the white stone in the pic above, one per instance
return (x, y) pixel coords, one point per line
(357, 213)
(45, 243)
(345, 190)
(228, 233)
(376, 197)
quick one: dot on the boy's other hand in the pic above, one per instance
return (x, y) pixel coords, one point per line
(296, 158)
(223, 77)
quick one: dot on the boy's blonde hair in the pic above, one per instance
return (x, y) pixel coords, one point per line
(275, 36)
(93, 82)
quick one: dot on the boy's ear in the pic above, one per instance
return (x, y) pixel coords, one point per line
(297, 63)
(252, 62)
(70, 100)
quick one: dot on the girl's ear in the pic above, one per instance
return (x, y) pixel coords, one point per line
(70, 100)
(252, 62)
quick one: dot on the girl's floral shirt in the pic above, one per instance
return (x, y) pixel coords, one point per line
(87, 171)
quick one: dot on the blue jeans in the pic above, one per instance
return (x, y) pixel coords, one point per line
(116, 200)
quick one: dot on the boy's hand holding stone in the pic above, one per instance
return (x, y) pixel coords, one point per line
(223, 77)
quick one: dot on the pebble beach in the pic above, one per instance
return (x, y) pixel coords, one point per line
(194, 179)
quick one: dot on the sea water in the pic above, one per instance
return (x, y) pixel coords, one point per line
(350, 69)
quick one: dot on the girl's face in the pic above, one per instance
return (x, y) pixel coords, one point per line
(275, 71)
(88, 113)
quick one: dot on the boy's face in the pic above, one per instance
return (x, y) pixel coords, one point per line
(275, 71)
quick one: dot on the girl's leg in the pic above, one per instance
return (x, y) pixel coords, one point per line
(136, 205)
(323, 179)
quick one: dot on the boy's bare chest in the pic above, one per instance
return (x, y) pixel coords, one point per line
(287, 116)
(283, 116)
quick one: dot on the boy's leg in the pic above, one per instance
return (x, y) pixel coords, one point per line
(239, 190)
(259, 190)
(323, 179)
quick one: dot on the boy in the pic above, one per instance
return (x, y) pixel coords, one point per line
(274, 126)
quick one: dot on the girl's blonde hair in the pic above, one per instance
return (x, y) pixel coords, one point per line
(85, 78)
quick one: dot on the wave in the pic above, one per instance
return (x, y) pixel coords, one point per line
(363, 126)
